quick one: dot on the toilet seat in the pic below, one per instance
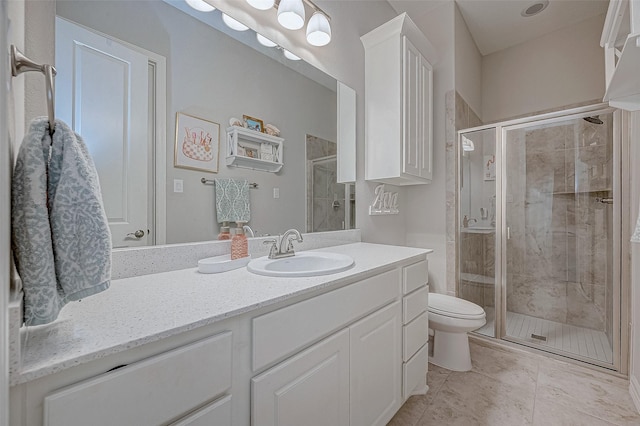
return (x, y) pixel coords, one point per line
(454, 307)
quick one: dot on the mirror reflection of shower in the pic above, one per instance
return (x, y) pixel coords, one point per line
(478, 174)
(330, 205)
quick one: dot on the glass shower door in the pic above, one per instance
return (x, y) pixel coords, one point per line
(558, 264)
(477, 222)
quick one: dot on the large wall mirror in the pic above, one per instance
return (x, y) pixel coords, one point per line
(126, 68)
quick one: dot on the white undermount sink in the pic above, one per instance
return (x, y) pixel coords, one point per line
(303, 264)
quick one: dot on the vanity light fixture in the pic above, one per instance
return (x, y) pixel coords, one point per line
(265, 41)
(318, 29)
(261, 4)
(291, 14)
(467, 144)
(200, 5)
(290, 55)
(233, 24)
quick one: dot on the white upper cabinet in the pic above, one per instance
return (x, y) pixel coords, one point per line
(621, 42)
(398, 103)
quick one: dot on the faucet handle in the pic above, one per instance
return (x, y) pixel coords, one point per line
(273, 251)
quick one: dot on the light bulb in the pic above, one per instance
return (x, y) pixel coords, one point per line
(318, 30)
(265, 41)
(233, 24)
(261, 4)
(291, 14)
(290, 55)
(200, 5)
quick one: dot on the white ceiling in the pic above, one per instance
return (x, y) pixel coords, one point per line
(498, 24)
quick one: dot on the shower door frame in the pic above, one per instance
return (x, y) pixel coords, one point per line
(621, 225)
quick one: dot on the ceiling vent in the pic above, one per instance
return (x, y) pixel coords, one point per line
(535, 8)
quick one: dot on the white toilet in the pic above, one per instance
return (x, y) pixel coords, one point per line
(451, 318)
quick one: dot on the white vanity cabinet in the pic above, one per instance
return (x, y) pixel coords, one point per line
(349, 353)
(398, 104)
(352, 377)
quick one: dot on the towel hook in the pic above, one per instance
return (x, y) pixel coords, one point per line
(21, 64)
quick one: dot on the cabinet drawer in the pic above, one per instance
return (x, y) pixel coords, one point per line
(414, 335)
(414, 304)
(217, 413)
(414, 373)
(282, 332)
(415, 276)
(148, 392)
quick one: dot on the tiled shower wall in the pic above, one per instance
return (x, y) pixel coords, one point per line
(558, 257)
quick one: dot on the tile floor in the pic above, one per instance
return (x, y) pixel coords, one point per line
(509, 387)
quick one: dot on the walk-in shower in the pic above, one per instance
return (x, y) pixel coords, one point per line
(330, 205)
(539, 238)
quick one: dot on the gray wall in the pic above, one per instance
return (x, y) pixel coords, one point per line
(215, 77)
(561, 68)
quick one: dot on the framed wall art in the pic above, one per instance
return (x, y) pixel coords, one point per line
(253, 123)
(197, 143)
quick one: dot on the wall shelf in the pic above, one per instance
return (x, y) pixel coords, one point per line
(254, 150)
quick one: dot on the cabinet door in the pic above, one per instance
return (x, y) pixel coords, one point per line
(426, 117)
(376, 367)
(310, 389)
(412, 110)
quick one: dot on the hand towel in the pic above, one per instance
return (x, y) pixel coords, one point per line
(61, 238)
(232, 200)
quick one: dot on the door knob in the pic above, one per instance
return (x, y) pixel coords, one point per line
(138, 234)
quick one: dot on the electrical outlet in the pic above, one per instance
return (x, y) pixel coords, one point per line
(178, 185)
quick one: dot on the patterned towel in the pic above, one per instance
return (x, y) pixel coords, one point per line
(232, 200)
(61, 239)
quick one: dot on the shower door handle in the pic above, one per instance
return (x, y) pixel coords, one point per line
(508, 233)
(604, 200)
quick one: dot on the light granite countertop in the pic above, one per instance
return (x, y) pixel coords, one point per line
(143, 309)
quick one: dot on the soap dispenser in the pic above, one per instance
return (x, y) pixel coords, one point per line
(225, 233)
(239, 243)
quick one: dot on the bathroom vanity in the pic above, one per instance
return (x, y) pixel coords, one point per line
(184, 348)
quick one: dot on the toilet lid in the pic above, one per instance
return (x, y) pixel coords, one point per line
(454, 307)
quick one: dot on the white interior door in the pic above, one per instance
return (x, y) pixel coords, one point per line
(6, 166)
(102, 93)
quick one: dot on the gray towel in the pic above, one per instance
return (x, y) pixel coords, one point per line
(232, 200)
(61, 239)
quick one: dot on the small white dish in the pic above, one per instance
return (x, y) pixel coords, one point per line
(217, 264)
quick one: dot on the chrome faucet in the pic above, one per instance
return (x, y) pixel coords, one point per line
(467, 221)
(248, 231)
(286, 240)
(278, 250)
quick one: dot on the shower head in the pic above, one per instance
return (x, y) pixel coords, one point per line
(594, 119)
